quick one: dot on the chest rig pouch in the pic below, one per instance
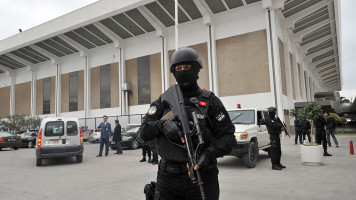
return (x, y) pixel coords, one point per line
(172, 152)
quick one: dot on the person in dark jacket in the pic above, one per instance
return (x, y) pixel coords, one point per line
(330, 129)
(117, 137)
(274, 128)
(319, 124)
(306, 129)
(298, 130)
(173, 181)
(152, 145)
(105, 129)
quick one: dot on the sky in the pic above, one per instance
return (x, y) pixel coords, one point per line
(25, 14)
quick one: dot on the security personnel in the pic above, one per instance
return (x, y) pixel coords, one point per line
(298, 130)
(319, 124)
(173, 181)
(105, 129)
(274, 129)
(306, 129)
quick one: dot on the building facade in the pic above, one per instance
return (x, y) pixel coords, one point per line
(115, 60)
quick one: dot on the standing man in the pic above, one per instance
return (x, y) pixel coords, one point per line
(298, 130)
(105, 129)
(274, 128)
(330, 129)
(173, 181)
(306, 129)
(117, 137)
(152, 145)
(319, 124)
(146, 150)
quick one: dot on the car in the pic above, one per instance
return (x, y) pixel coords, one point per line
(95, 136)
(250, 135)
(59, 137)
(28, 139)
(10, 140)
(128, 137)
(86, 133)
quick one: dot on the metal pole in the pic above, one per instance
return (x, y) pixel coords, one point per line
(176, 22)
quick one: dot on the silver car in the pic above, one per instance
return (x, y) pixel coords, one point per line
(95, 137)
(86, 133)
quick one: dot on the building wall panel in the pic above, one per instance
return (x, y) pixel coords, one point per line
(4, 102)
(53, 94)
(114, 79)
(292, 71)
(131, 77)
(155, 76)
(80, 90)
(23, 99)
(39, 97)
(95, 88)
(283, 67)
(65, 93)
(242, 63)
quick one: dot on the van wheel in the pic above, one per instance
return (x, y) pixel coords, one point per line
(16, 148)
(250, 158)
(38, 161)
(79, 158)
(30, 144)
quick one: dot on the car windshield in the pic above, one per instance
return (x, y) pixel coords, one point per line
(242, 116)
(132, 129)
(7, 134)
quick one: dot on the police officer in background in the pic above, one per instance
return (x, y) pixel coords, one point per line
(320, 135)
(274, 129)
(173, 181)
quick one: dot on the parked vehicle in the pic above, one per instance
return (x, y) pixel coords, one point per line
(129, 137)
(28, 139)
(250, 135)
(95, 137)
(10, 140)
(59, 137)
(86, 133)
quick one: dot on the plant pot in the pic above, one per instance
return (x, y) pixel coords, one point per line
(312, 155)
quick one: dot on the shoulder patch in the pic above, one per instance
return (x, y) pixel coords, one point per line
(220, 117)
(152, 110)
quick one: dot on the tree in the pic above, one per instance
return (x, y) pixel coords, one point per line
(311, 112)
(15, 123)
(295, 112)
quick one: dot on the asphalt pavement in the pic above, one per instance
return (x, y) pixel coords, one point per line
(123, 176)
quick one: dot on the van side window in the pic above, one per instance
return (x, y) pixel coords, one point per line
(72, 128)
(54, 128)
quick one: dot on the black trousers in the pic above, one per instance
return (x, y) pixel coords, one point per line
(154, 154)
(321, 138)
(306, 133)
(146, 150)
(298, 134)
(118, 146)
(275, 150)
(180, 187)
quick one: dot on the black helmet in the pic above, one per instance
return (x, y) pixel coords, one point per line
(185, 54)
(272, 109)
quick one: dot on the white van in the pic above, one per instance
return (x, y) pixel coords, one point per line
(59, 137)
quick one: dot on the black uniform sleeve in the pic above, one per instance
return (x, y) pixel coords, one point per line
(273, 125)
(297, 123)
(222, 129)
(151, 125)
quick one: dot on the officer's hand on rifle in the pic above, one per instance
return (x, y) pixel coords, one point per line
(202, 162)
(283, 129)
(172, 131)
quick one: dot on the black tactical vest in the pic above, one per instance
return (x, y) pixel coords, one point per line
(172, 152)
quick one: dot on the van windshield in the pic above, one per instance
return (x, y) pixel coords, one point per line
(54, 128)
(72, 128)
(242, 116)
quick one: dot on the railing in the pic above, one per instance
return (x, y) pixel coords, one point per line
(93, 122)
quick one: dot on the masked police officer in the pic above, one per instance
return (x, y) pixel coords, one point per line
(275, 128)
(173, 181)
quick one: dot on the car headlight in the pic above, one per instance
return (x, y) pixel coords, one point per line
(241, 136)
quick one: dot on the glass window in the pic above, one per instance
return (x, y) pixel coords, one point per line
(54, 128)
(242, 116)
(144, 81)
(47, 95)
(73, 91)
(72, 128)
(105, 94)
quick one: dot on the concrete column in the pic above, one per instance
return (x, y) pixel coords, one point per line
(297, 78)
(58, 91)
(124, 107)
(165, 69)
(12, 94)
(33, 92)
(274, 56)
(213, 72)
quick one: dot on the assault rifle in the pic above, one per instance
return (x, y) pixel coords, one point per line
(174, 98)
(284, 125)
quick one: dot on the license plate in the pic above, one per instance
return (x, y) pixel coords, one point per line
(52, 142)
(12, 139)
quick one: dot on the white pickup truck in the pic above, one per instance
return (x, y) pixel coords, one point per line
(250, 136)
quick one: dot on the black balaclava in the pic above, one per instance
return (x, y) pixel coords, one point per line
(271, 114)
(187, 79)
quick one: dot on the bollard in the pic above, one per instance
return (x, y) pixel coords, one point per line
(351, 148)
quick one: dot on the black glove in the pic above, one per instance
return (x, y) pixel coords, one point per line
(203, 161)
(171, 130)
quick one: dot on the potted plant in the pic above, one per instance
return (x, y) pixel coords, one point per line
(311, 154)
